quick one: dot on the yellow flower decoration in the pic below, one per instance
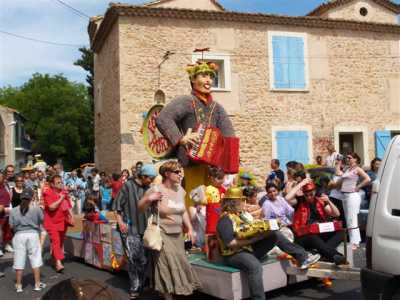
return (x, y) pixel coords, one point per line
(202, 67)
(212, 194)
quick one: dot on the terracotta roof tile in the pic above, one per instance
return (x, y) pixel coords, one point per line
(215, 2)
(335, 3)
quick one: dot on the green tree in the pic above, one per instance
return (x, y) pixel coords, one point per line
(59, 117)
(87, 63)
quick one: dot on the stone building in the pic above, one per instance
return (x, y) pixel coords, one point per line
(292, 85)
(14, 144)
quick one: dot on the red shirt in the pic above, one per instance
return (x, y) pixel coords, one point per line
(5, 197)
(55, 219)
(115, 187)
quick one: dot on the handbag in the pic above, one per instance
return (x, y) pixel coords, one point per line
(152, 235)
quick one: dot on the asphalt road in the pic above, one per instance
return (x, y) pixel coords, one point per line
(309, 290)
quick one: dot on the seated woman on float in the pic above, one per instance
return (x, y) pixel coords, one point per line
(275, 207)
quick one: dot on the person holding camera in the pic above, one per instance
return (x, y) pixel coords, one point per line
(353, 179)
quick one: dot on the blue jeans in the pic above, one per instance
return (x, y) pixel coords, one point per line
(250, 264)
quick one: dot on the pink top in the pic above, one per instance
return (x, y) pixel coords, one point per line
(350, 179)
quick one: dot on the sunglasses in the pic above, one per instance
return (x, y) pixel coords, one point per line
(308, 194)
(177, 172)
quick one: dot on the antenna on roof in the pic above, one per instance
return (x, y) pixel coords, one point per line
(164, 59)
(202, 50)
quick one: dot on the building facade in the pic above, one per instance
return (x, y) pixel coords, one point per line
(292, 85)
(14, 144)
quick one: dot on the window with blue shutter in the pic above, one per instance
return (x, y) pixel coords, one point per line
(292, 145)
(288, 62)
(382, 140)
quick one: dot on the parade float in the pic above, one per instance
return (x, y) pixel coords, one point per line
(166, 130)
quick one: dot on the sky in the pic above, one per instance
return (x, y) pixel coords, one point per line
(49, 20)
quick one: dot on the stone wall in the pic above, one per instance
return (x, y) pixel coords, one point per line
(107, 104)
(348, 73)
(351, 11)
(7, 153)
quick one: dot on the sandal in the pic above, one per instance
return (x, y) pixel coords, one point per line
(60, 270)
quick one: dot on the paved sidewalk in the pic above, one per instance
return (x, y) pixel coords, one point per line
(312, 289)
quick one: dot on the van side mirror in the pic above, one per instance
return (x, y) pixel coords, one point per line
(375, 186)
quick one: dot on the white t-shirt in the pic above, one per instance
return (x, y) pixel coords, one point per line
(96, 183)
(330, 159)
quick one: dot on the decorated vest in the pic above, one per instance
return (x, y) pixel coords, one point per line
(236, 222)
(301, 216)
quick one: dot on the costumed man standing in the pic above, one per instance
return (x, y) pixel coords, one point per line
(179, 120)
(243, 244)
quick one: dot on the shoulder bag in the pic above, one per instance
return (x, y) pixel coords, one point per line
(152, 235)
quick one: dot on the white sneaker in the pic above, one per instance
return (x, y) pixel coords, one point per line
(18, 288)
(9, 248)
(311, 259)
(39, 287)
(1, 253)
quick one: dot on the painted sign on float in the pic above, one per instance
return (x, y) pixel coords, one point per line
(155, 143)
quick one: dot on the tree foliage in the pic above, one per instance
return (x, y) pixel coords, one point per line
(87, 63)
(59, 117)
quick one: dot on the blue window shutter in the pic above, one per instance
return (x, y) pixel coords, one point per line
(283, 147)
(296, 63)
(280, 62)
(292, 145)
(382, 140)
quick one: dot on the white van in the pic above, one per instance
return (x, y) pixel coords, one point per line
(381, 277)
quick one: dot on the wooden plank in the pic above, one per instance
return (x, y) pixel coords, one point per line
(234, 286)
(344, 273)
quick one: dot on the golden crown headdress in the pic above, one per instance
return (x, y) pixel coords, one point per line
(202, 67)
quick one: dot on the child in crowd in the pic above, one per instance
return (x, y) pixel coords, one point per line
(214, 194)
(291, 182)
(91, 211)
(25, 220)
(105, 193)
(116, 185)
(197, 215)
(251, 205)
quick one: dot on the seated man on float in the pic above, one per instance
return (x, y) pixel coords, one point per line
(310, 212)
(246, 252)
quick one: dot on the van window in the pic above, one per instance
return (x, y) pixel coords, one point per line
(393, 200)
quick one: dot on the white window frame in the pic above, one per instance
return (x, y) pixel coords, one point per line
(275, 129)
(303, 35)
(227, 68)
(392, 128)
(353, 129)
